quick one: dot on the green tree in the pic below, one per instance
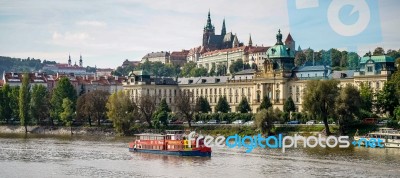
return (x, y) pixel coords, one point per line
(319, 97)
(14, 102)
(244, 106)
(347, 106)
(221, 70)
(39, 105)
(353, 60)
(387, 100)
(379, 51)
(264, 120)
(161, 114)
(121, 111)
(300, 58)
(202, 105)
(266, 103)
(222, 105)
(24, 102)
(63, 89)
(68, 114)
(212, 70)
(198, 72)
(289, 105)
(366, 97)
(236, 66)
(187, 68)
(6, 97)
(336, 57)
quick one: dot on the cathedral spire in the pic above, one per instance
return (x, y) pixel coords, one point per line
(250, 41)
(209, 26)
(223, 31)
(235, 42)
(80, 61)
(69, 59)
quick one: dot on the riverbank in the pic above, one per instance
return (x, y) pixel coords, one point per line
(52, 130)
(224, 130)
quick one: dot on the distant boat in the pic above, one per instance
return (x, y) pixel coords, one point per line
(390, 137)
(174, 142)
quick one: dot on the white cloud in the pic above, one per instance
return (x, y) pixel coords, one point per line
(67, 37)
(91, 23)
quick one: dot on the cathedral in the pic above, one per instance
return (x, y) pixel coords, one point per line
(212, 41)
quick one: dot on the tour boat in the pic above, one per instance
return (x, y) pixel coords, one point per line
(171, 143)
(390, 137)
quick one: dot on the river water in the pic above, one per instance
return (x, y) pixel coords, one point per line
(50, 156)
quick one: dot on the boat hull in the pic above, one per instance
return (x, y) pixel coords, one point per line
(198, 153)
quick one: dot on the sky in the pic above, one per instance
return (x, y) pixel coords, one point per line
(106, 32)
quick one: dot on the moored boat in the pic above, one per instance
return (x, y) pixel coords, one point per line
(390, 137)
(171, 143)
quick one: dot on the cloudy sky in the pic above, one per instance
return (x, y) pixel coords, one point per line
(108, 32)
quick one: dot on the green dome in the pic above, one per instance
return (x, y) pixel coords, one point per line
(279, 50)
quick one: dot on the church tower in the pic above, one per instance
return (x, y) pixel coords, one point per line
(235, 42)
(223, 31)
(69, 60)
(289, 42)
(80, 61)
(209, 30)
(250, 42)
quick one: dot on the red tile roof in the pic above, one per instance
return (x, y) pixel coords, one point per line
(289, 38)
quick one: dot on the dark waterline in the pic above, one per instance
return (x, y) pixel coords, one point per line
(89, 156)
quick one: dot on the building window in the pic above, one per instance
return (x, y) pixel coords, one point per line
(210, 91)
(377, 85)
(258, 96)
(369, 68)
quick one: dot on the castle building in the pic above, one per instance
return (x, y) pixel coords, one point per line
(278, 78)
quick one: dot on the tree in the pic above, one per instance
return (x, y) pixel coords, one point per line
(300, 58)
(161, 114)
(236, 66)
(14, 102)
(266, 103)
(202, 105)
(63, 89)
(92, 105)
(319, 97)
(222, 105)
(336, 57)
(244, 106)
(199, 72)
(221, 70)
(347, 106)
(379, 51)
(185, 106)
(147, 107)
(39, 105)
(23, 102)
(353, 60)
(6, 101)
(82, 91)
(387, 100)
(212, 70)
(366, 97)
(264, 120)
(289, 105)
(121, 111)
(187, 68)
(68, 114)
